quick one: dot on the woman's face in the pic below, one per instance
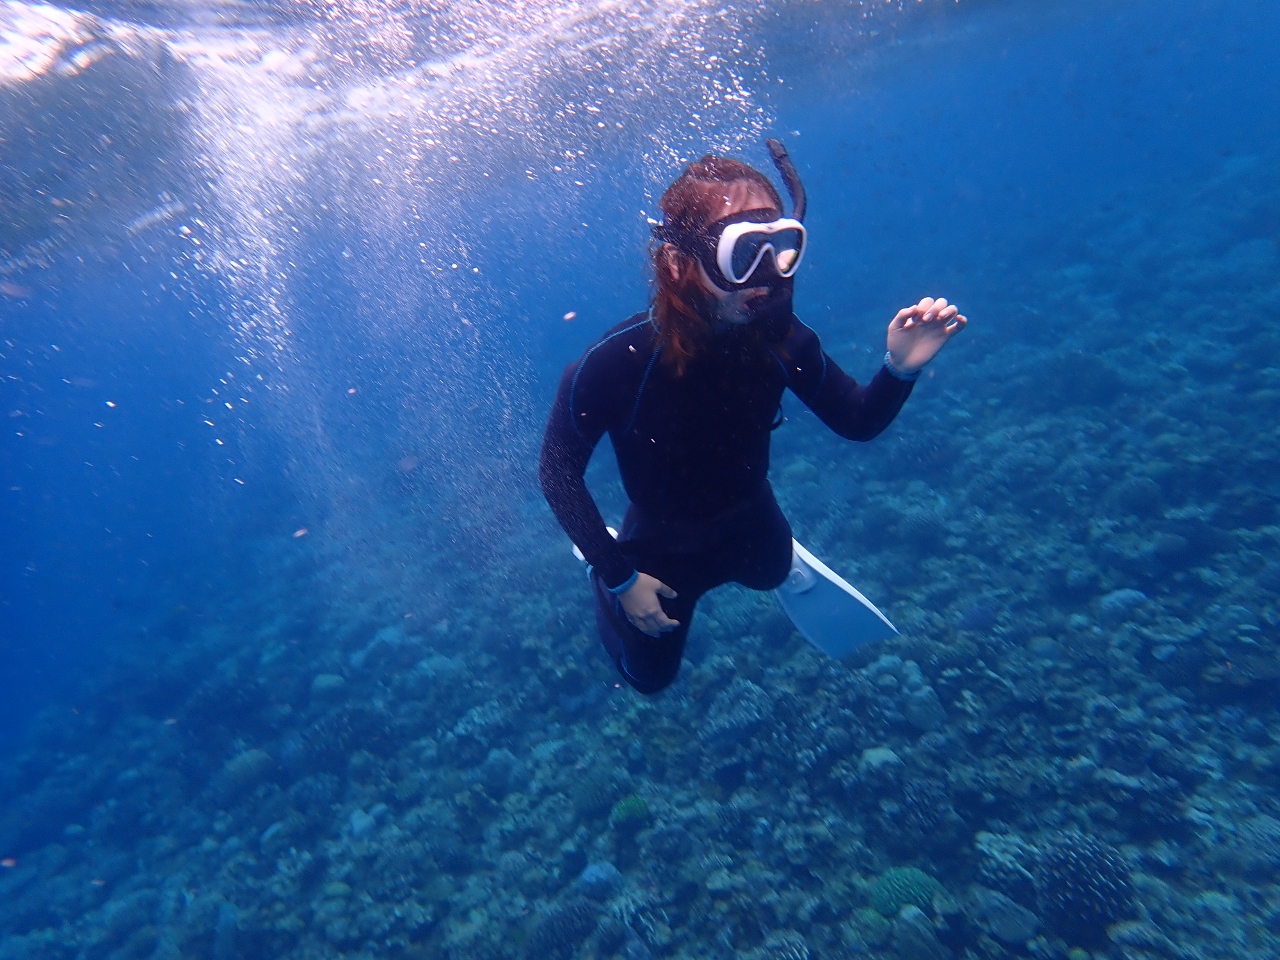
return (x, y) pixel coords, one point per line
(732, 305)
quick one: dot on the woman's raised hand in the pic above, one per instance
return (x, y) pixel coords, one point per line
(917, 333)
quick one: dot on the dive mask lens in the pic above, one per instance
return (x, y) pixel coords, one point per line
(743, 245)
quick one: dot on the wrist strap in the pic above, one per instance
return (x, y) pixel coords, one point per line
(625, 585)
(894, 371)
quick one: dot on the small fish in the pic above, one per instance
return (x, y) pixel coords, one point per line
(154, 218)
(32, 255)
(9, 863)
(300, 533)
(17, 291)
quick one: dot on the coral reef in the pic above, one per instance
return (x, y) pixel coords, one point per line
(1072, 750)
(899, 886)
(1082, 886)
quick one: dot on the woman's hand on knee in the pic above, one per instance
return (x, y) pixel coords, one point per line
(641, 605)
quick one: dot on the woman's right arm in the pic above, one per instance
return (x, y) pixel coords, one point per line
(565, 454)
(578, 420)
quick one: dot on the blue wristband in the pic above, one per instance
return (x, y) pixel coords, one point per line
(626, 584)
(898, 374)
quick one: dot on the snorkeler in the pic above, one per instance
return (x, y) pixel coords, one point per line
(689, 393)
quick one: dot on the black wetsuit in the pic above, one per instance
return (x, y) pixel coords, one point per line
(693, 451)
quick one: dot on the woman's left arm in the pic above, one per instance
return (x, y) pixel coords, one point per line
(861, 412)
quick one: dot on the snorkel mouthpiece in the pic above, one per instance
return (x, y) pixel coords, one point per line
(787, 169)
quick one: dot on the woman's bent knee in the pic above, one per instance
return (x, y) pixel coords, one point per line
(649, 684)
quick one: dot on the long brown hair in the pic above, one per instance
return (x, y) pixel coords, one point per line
(682, 310)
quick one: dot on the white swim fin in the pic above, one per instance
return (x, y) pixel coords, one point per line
(826, 610)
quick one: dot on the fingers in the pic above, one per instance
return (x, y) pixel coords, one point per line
(935, 309)
(658, 624)
(901, 318)
(665, 591)
(957, 324)
(928, 310)
(666, 624)
(654, 624)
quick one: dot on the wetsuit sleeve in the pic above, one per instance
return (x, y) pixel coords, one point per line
(854, 411)
(579, 418)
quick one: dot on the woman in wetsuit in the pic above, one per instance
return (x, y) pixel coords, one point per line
(689, 392)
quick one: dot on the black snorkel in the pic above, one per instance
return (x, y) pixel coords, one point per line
(773, 313)
(787, 170)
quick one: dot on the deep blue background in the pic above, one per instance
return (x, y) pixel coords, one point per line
(983, 139)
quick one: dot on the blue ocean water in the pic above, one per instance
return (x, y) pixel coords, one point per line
(294, 659)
